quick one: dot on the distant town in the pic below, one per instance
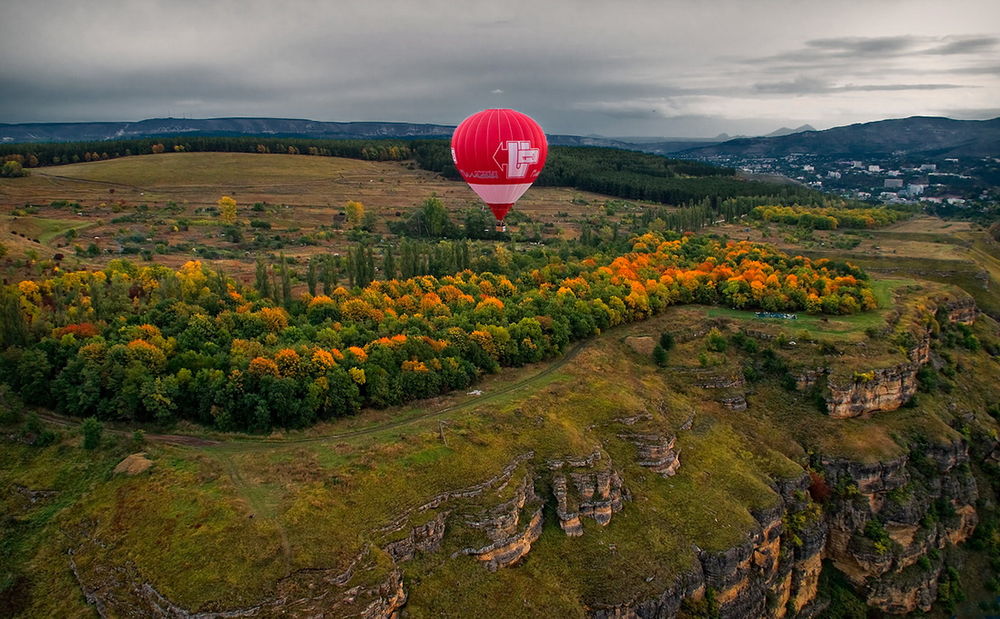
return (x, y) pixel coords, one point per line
(960, 183)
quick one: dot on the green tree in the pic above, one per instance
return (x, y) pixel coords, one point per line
(311, 277)
(92, 430)
(13, 328)
(263, 282)
(286, 282)
(388, 265)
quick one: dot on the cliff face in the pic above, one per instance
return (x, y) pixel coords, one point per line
(962, 310)
(892, 514)
(773, 572)
(878, 390)
(887, 389)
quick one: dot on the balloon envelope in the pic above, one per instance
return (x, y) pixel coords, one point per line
(499, 153)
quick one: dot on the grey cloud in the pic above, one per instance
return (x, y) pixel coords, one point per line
(836, 51)
(965, 45)
(579, 67)
(809, 85)
(866, 46)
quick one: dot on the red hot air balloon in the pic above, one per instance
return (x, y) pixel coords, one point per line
(499, 153)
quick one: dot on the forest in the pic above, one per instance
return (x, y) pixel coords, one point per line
(154, 344)
(826, 218)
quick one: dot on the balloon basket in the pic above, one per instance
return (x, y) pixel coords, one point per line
(501, 227)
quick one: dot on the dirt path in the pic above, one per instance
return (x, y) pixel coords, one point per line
(187, 440)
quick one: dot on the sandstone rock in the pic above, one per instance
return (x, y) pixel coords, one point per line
(656, 452)
(886, 390)
(425, 538)
(134, 464)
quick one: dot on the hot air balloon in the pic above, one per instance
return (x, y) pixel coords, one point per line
(499, 153)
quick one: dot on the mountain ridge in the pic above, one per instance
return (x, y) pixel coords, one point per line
(928, 136)
(931, 136)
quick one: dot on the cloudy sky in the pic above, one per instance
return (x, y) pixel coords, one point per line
(624, 68)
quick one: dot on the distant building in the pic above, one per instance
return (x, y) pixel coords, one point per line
(928, 167)
(857, 164)
(893, 183)
(833, 174)
(874, 168)
(808, 168)
(915, 189)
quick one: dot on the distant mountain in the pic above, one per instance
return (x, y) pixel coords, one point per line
(918, 135)
(292, 128)
(273, 127)
(280, 127)
(787, 131)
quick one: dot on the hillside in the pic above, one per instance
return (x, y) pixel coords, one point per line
(590, 422)
(917, 135)
(599, 486)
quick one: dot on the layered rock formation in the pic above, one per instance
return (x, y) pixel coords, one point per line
(891, 515)
(876, 390)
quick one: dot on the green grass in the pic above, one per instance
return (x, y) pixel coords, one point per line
(832, 327)
(210, 169)
(45, 229)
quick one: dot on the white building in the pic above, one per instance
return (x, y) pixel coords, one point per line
(833, 174)
(915, 189)
(928, 167)
(874, 168)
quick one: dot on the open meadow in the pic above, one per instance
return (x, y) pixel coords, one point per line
(163, 207)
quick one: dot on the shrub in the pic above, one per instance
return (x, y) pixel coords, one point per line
(91, 430)
(660, 355)
(667, 341)
(35, 434)
(716, 341)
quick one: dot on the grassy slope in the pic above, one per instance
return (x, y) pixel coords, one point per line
(316, 503)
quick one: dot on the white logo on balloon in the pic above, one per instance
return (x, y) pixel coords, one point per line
(520, 155)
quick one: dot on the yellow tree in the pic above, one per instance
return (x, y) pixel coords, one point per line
(227, 210)
(355, 212)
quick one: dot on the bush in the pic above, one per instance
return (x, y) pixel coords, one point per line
(91, 430)
(660, 355)
(667, 340)
(716, 341)
(35, 434)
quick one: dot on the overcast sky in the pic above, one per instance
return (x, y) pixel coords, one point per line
(619, 68)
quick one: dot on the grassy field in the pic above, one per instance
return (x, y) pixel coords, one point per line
(147, 201)
(829, 327)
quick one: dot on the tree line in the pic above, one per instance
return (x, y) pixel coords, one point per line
(152, 343)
